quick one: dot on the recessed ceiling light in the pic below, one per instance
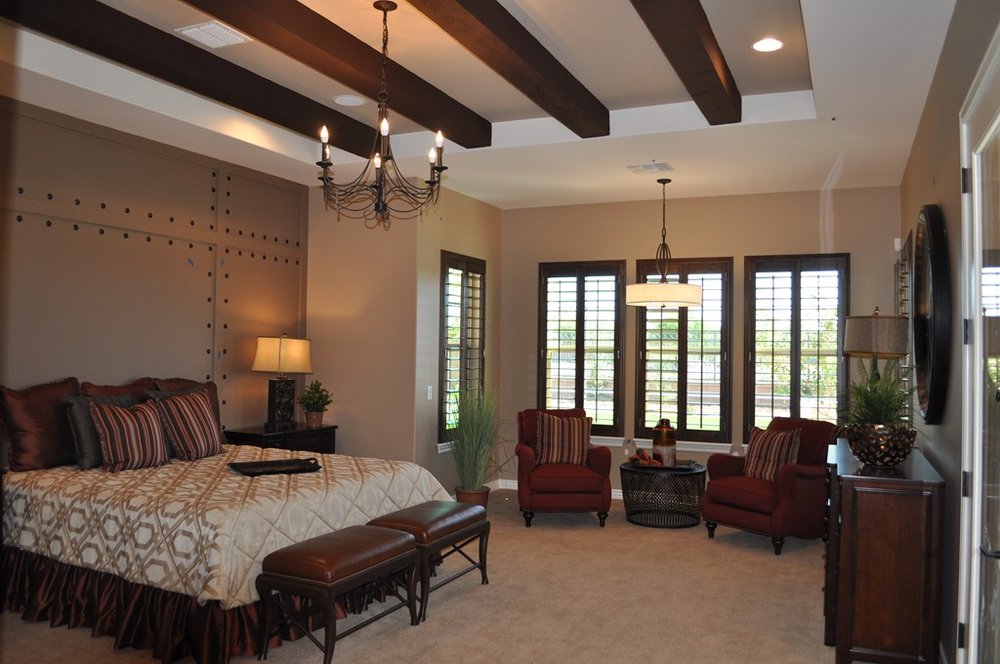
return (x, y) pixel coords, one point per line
(348, 100)
(213, 34)
(767, 45)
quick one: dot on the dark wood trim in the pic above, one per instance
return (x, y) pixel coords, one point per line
(685, 36)
(466, 264)
(300, 33)
(685, 267)
(488, 31)
(97, 28)
(582, 269)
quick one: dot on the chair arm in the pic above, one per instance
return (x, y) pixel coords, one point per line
(525, 459)
(725, 465)
(793, 475)
(599, 460)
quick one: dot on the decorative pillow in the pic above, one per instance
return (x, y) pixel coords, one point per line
(81, 424)
(191, 428)
(37, 430)
(130, 437)
(168, 387)
(136, 389)
(562, 439)
(770, 450)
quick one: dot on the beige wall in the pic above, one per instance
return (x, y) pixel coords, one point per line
(932, 176)
(125, 258)
(862, 222)
(374, 302)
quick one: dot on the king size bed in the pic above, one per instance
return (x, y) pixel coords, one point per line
(166, 557)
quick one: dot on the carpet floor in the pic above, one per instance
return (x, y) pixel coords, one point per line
(565, 590)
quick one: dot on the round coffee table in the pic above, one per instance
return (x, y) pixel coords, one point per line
(661, 496)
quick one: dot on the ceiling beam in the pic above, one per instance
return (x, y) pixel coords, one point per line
(95, 27)
(308, 37)
(488, 31)
(683, 33)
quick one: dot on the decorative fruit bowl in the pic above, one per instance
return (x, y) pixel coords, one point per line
(880, 444)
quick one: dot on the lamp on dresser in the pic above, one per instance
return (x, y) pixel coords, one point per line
(281, 355)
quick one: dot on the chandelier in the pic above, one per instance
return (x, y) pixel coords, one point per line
(380, 192)
(663, 293)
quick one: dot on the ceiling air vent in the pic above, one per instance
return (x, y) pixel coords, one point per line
(650, 168)
(213, 34)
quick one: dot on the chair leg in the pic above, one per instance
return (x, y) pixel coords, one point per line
(711, 526)
(602, 517)
(778, 542)
(528, 516)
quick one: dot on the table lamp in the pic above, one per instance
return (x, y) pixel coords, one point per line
(281, 355)
(876, 336)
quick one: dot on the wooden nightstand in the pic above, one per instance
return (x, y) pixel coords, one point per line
(321, 439)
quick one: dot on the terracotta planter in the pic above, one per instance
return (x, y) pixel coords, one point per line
(480, 496)
(879, 444)
(314, 420)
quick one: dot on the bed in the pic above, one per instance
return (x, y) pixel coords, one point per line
(166, 557)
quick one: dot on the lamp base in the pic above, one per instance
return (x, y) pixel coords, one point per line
(280, 404)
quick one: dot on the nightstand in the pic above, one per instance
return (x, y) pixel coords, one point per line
(321, 439)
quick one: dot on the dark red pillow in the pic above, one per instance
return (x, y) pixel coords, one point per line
(37, 427)
(136, 389)
(186, 385)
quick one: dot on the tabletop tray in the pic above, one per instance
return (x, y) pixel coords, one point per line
(276, 467)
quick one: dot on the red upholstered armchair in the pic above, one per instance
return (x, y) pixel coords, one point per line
(560, 487)
(793, 505)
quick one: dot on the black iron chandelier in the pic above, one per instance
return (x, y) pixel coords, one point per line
(381, 192)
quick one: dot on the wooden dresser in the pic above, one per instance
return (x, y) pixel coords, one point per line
(882, 597)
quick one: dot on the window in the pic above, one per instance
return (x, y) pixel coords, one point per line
(682, 354)
(796, 307)
(463, 327)
(580, 327)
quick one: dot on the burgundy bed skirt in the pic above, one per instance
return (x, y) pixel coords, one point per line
(174, 626)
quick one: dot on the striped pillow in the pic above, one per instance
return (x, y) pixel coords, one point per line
(768, 451)
(562, 439)
(130, 437)
(191, 428)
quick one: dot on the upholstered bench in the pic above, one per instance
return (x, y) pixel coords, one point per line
(324, 567)
(438, 525)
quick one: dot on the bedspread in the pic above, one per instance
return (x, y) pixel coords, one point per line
(200, 528)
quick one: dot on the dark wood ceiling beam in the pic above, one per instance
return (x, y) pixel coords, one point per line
(488, 31)
(308, 37)
(106, 32)
(683, 33)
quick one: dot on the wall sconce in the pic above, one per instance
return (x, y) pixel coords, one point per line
(281, 355)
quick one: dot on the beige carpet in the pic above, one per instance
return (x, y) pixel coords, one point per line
(566, 591)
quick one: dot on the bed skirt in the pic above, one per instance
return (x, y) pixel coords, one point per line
(174, 626)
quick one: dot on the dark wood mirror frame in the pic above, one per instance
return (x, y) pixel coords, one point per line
(931, 313)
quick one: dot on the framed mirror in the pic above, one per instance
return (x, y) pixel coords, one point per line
(931, 313)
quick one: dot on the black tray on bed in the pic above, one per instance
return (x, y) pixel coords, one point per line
(276, 466)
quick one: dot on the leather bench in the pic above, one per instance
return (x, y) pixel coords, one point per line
(325, 567)
(438, 525)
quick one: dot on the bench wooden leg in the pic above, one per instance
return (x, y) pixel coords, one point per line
(484, 539)
(330, 622)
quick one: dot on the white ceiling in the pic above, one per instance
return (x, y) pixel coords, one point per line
(869, 65)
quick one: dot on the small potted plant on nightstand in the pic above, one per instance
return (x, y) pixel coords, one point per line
(314, 400)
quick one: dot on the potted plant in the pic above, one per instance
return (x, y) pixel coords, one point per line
(314, 400)
(876, 429)
(472, 445)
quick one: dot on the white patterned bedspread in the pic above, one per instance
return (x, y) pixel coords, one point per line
(200, 528)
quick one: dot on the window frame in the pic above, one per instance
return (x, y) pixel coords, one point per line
(684, 267)
(467, 264)
(581, 270)
(795, 263)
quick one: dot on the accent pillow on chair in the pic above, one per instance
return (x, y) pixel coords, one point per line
(563, 439)
(768, 451)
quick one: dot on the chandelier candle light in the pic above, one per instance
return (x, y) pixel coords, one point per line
(381, 192)
(662, 293)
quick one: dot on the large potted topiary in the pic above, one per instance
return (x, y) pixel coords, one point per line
(473, 442)
(877, 430)
(314, 400)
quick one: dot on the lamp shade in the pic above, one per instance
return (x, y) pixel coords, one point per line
(282, 355)
(661, 294)
(878, 335)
